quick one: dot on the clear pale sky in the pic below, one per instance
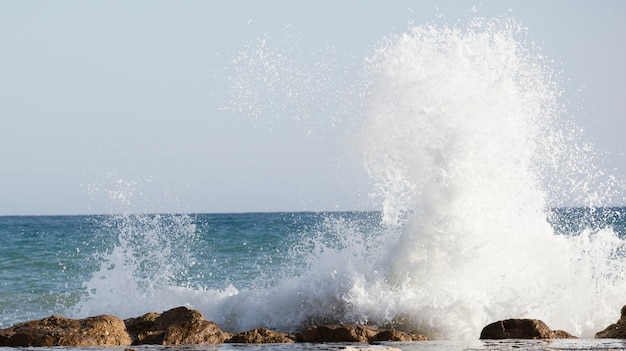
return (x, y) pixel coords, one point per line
(108, 106)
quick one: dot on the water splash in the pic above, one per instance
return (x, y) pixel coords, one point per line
(467, 146)
(465, 141)
(148, 259)
(142, 258)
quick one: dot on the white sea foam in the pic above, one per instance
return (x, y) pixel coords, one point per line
(465, 141)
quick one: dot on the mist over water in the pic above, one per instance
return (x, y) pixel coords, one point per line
(466, 139)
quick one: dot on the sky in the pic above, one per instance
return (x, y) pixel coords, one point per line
(114, 106)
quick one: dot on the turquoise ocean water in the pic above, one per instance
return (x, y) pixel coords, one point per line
(131, 264)
(48, 263)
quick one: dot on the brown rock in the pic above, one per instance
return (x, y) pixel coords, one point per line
(261, 336)
(396, 335)
(196, 332)
(353, 333)
(522, 329)
(562, 334)
(101, 330)
(616, 330)
(145, 322)
(336, 333)
(178, 326)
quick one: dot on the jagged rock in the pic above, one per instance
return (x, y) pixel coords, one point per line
(178, 326)
(616, 330)
(522, 329)
(353, 333)
(101, 330)
(261, 336)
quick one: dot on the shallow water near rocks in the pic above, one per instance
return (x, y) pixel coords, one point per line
(442, 345)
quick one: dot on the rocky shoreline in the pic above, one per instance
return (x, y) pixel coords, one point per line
(184, 326)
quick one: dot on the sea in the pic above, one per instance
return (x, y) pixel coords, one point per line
(491, 205)
(292, 269)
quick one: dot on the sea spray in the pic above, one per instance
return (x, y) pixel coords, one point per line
(340, 255)
(463, 141)
(276, 80)
(140, 266)
(141, 258)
